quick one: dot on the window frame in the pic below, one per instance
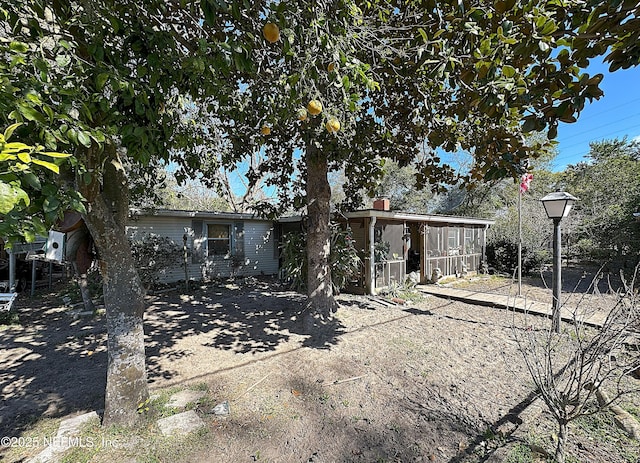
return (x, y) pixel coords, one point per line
(228, 239)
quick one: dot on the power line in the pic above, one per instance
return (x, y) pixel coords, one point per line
(608, 110)
(604, 125)
(604, 136)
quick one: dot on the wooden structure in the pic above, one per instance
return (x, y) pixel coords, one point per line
(395, 244)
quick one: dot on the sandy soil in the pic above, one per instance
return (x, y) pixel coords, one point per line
(430, 381)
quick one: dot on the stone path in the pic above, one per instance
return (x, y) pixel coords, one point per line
(70, 430)
(511, 302)
(66, 438)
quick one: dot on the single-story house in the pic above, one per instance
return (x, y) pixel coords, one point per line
(391, 244)
(219, 244)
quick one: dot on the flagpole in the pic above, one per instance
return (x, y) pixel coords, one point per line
(525, 182)
(519, 241)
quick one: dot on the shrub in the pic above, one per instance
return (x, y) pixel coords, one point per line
(153, 256)
(502, 254)
(344, 260)
(294, 260)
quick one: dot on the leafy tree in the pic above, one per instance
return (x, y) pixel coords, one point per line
(127, 83)
(608, 186)
(191, 196)
(503, 236)
(114, 83)
(399, 185)
(401, 79)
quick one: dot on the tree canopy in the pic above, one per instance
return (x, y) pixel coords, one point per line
(23, 176)
(608, 186)
(115, 84)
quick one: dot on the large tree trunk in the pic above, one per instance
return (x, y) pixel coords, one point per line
(321, 302)
(123, 297)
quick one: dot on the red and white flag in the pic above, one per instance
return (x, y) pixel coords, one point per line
(525, 182)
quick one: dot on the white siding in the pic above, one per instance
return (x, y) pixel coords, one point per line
(259, 254)
(259, 249)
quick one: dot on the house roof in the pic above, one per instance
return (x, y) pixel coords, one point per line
(365, 213)
(207, 215)
(408, 216)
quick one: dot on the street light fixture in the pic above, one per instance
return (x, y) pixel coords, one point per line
(557, 206)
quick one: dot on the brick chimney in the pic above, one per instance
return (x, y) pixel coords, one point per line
(382, 204)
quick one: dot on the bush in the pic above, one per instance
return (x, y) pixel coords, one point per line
(153, 256)
(502, 254)
(293, 251)
(344, 261)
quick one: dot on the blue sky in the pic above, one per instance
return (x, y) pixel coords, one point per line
(614, 115)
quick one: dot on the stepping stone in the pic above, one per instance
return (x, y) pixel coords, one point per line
(71, 426)
(182, 423)
(222, 409)
(182, 398)
(68, 429)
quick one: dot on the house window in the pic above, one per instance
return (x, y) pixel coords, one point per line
(218, 239)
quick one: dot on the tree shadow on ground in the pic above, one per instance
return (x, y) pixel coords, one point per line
(579, 279)
(244, 317)
(52, 365)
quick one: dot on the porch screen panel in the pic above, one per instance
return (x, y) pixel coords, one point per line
(453, 241)
(436, 244)
(469, 245)
(477, 240)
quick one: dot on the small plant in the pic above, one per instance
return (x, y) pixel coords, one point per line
(294, 260)
(144, 406)
(521, 453)
(9, 317)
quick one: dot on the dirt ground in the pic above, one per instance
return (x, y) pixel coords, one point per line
(432, 380)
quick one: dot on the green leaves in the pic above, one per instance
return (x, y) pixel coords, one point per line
(10, 196)
(18, 47)
(101, 80)
(508, 71)
(30, 113)
(26, 192)
(84, 139)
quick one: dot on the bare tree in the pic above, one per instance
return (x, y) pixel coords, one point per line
(239, 191)
(583, 370)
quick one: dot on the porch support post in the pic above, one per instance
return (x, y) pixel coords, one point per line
(33, 277)
(371, 284)
(424, 278)
(484, 243)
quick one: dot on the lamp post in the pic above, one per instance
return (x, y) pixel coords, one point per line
(557, 206)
